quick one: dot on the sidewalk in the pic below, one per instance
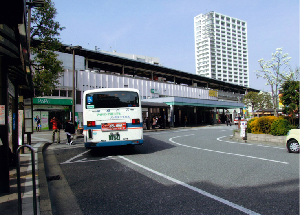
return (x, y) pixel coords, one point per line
(9, 201)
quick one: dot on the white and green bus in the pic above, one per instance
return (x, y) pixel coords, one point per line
(112, 117)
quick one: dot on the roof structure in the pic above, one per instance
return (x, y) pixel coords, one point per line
(124, 66)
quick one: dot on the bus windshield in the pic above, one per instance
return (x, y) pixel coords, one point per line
(112, 99)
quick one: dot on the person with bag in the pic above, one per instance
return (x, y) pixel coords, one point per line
(69, 129)
(38, 123)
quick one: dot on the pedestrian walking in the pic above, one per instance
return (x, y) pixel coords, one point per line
(70, 130)
(38, 123)
(160, 122)
(154, 121)
(147, 125)
(228, 121)
(56, 129)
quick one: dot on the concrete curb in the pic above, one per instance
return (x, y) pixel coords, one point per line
(44, 198)
(59, 190)
(265, 139)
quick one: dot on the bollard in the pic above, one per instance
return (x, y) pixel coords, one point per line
(33, 180)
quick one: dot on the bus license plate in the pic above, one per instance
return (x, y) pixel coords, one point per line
(114, 136)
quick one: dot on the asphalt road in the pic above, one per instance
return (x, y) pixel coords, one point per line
(188, 171)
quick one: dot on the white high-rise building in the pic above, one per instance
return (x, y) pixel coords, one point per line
(221, 48)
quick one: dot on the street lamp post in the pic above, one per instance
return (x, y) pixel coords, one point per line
(31, 4)
(73, 92)
(73, 48)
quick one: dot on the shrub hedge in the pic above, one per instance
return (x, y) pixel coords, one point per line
(249, 125)
(280, 127)
(262, 125)
(277, 126)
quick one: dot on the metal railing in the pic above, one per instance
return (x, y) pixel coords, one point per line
(33, 180)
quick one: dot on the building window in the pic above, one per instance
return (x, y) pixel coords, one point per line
(63, 93)
(55, 92)
(70, 93)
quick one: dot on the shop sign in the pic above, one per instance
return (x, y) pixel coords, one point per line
(11, 88)
(213, 93)
(155, 91)
(51, 107)
(2, 114)
(47, 101)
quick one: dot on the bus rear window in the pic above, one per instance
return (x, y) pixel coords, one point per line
(114, 99)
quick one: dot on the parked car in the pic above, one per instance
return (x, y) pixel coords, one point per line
(292, 140)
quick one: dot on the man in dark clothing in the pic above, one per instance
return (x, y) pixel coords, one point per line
(38, 123)
(160, 122)
(228, 121)
(69, 129)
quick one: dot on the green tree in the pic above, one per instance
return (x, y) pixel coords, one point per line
(275, 71)
(257, 100)
(44, 28)
(264, 100)
(290, 98)
(251, 99)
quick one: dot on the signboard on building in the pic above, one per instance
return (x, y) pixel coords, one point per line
(47, 101)
(213, 93)
(2, 114)
(243, 127)
(155, 91)
(28, 115)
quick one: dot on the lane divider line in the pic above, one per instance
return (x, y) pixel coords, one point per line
(227, 153)
(202, 192)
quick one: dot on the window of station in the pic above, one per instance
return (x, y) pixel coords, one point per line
(70, 93)
(55, 92)
(63, 93)
(78, 97)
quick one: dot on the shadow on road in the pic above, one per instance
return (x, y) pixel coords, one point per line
(151, 145)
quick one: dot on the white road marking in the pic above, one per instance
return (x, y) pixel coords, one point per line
(84, 160)
(202, 192)
(69, 161)
(227, 153)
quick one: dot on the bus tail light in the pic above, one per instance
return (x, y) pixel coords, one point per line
(91, 123)
(135, 121)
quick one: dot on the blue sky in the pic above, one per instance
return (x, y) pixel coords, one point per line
(165, 28)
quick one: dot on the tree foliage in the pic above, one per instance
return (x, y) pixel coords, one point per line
(290, 98)
(47, 69)
(257, 100)
(264, 100)
(275, 71)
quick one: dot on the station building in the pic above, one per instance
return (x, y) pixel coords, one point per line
(166, 92)
(16, 88)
